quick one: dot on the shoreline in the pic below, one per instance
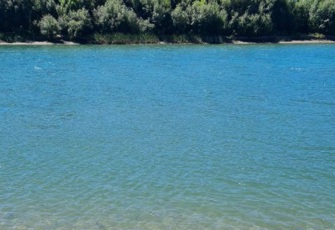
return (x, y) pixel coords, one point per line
(316, 41)
(37, 43)
(214, 40)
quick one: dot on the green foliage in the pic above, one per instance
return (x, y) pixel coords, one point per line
(15, 15)
(76, 19)
(75, 23)
(65, 6)
(322, 16)
(114, 16)
(282, 16)
(301, 15)
(49, 26)
(157, 12)
(200, 18)
(254, 20)
(181, 18)
(208, 18)
(254, 25)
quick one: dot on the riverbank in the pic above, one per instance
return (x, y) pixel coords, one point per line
(314, 41)
(122, 39)
(37, 43)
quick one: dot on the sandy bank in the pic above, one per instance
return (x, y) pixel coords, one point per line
(313, 41)
(37, 43)
(308, 42)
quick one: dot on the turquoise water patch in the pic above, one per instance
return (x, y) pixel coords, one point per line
(167, 137)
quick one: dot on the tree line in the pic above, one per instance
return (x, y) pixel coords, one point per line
(75, 19)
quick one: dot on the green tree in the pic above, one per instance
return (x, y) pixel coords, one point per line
(114, 16)
(250, 17)
(322, 16)
(65, 6)
(158, 12)
(76, 23)
(79, 18)
(181, 18)
(301, 15)
(49, 26)
(282, 16)
(254, 25)
(16, 15)
(208, 19)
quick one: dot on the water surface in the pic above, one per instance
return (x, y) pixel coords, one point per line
(167, 137)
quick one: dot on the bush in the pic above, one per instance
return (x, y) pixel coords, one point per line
(181, 19)
(114, 16)
(75, 23)
(255, 20)
(158, 12)
(200, 18)
(208, 19)
(254, 25)
(49, 26)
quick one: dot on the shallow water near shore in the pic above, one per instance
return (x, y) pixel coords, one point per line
(167, 137)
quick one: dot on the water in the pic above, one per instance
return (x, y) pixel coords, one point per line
(167, 137)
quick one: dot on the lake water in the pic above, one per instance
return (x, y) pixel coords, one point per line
(167, 137)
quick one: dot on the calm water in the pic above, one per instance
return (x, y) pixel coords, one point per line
(167, 137)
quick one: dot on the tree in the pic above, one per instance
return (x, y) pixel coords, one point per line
(114, 16)
(250, 17)
(49, 26)
(16, 15)
(208, 19)
(322, 16)
(157, 12)
(301, 15)
(77, 18)
(181, 18)
(75, 23)
(282, 16)
(254, 24)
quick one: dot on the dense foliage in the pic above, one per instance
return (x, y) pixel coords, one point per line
(76, 19)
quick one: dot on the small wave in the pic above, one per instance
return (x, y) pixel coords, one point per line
(297, 69)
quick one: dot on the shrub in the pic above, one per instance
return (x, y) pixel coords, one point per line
(75, 23)
(114, 16)
(49, 26)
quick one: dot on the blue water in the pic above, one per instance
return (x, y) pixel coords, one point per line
(167, 137)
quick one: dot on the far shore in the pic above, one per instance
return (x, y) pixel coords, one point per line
(315, 41)
(225, 41)
(37, 43)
